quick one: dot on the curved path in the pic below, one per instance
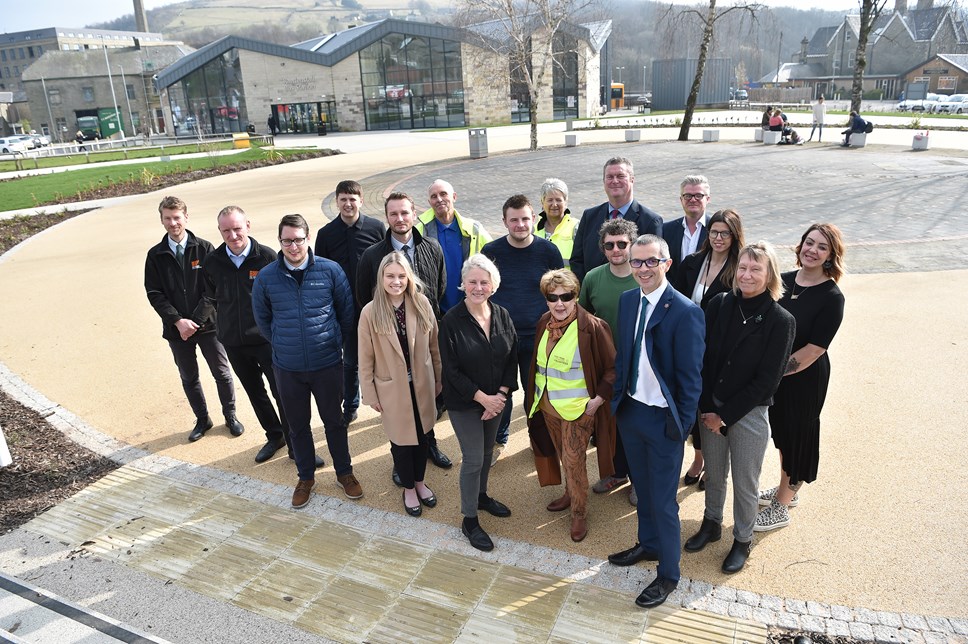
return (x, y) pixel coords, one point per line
(882, 528)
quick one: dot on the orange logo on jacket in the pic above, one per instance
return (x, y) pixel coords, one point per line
(252, 274)
(196, 264)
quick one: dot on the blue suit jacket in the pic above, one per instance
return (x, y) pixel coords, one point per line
(585, 254)
(672, 232)
(675, 343)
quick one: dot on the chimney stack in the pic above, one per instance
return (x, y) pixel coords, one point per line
(140, 17)
(925, 4)
(900, 6)
(803, 50)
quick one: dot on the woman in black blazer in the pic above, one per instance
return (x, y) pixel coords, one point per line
(748, 341)
(702, 276)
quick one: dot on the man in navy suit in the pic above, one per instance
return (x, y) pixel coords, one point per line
(686, 234)
(619, 179)
(657, 387)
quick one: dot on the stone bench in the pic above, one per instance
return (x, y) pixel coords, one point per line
(571, 140)
(771, 138)
(710, 136)
(920, 142)
(858, 139)
(633, 136)
(758, 135)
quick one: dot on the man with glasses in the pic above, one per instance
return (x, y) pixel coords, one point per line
(304, 306)
(658, 382)
(426, 259)
(619, 179)
(600, 292)
(686, 234)
(521, 259)
(174, 285)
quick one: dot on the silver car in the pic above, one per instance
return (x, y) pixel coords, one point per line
(12, 145)
(951, 104)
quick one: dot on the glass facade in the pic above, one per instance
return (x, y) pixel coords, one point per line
(303, 118)
(412, 82)
(564, 82)
(210, 100)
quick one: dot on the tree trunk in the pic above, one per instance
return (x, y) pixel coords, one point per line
(533, 113)
(869, 12)
(707, 36)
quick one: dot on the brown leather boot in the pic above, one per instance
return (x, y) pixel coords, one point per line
(560, 504)
(579, 528)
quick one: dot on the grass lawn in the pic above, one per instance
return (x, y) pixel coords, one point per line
(33, 163)
(28, 192)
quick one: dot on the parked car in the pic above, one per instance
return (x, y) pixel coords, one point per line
(963, 108)
(742, 95)
(12, 145)
(951, 104)
(926, 105)
(28, 141)
(40, 140)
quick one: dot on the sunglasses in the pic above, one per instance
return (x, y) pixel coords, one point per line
(564, 297)
(622, 245)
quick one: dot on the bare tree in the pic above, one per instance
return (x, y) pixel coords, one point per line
(870, 11)
(708, 17)
(529, 34)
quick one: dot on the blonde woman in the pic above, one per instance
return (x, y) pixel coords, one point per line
(400, 372)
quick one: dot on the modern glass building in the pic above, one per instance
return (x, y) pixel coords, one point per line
(386, 75)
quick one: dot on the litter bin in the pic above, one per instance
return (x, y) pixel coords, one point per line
(240, 141)
(477, 139)
(321, 129)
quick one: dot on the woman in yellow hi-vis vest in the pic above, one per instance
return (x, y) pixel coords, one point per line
(571, 380)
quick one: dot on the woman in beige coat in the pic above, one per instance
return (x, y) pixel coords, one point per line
(400, 372)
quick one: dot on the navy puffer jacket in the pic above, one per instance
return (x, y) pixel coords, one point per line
(305, 323)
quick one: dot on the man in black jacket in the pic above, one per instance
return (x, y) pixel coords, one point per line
(174, 285)
(618, 178)
(427, 260)
(343, 240)
(229, 272)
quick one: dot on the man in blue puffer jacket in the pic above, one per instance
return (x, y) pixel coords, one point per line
(303, 304)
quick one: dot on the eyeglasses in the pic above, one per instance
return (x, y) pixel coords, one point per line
(720, 234)
(564, 297)
(298, 241)
(688, 196)
(622, 245)
(651, 262)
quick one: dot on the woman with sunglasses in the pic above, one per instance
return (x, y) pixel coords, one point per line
(570, 383)
(702, 276)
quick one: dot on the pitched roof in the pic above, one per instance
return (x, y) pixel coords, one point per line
(958, 60)
(821, 40)
(87, 63)
(924, 23)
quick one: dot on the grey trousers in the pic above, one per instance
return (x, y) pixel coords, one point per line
(740, 453)
(476, 438)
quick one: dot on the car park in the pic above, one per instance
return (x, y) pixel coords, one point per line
(917, 105)
(951, 104)
(28, 141)
(40, 140)
(12, 145)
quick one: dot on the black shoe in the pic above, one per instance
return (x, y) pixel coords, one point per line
(656, 593)
(396, 478)
(441, 408)
(737, 557)
(430, 501)
(319, 459)
(349, 417)
(235, 427)
(702, 482)
(690, 480)
(494, 507)
(438, 458)
(632, 556)
(478, 538)
(269, 450)
(709, 532)
(414, 511)
(202, 425)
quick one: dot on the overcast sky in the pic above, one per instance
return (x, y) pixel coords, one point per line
(34, 14)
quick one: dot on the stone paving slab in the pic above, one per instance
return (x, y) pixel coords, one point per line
(387, 591)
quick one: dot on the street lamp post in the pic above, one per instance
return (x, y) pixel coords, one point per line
(50, 116)
(127, 99)
(114, 98)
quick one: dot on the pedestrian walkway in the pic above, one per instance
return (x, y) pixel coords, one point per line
(879, 519)
(351, 584)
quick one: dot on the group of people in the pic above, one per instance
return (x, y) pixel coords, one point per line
(622, 331)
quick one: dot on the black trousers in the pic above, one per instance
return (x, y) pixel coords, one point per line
(411, 460)
(251, 363)
(187, 362)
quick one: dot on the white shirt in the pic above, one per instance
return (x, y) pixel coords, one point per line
(690, 241)
(173, 245)
(647, 389)
(819, 111)
(238, 259)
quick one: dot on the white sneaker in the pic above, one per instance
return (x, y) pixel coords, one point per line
(496, 454)
(767, 496)
(772, 517)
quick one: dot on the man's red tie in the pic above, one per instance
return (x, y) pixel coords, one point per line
(615, 214)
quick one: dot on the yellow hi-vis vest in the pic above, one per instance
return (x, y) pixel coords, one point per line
(562, 374)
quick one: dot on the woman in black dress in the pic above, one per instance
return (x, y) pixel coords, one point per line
(702, 276)
(817, 304)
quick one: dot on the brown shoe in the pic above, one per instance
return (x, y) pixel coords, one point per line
(579, 528)
(351, 487)
(560, 504)
(303, 490)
